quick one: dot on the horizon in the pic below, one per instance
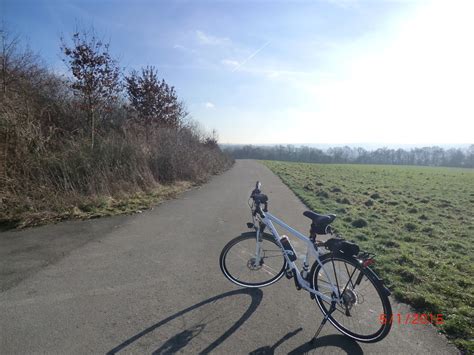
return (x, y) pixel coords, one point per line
(384, 73)
(367, 146)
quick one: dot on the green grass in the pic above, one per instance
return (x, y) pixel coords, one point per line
(419, 222)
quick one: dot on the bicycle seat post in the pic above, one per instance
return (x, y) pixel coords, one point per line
(312, 233)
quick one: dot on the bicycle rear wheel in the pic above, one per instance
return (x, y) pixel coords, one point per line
(238, 261)
(366, 306)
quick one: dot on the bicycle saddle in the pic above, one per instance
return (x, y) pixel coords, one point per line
(319, 218)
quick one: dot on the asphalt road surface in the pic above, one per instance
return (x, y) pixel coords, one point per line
(151, 283)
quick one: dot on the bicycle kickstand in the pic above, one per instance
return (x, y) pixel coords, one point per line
(325, 319)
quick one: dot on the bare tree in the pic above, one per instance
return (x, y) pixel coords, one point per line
(16, 62)
(212, 140)
(155, 101)
(96, 74)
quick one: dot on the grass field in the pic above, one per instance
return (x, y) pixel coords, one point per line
(418, 220)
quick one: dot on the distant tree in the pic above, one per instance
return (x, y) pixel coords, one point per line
(96, 74)
(455, 157)
(435, 156)
(212, 140)
(155, 101)
(470, 156)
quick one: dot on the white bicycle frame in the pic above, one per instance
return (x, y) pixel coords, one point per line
(268, 220)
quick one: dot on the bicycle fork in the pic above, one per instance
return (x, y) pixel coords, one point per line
(258, 248)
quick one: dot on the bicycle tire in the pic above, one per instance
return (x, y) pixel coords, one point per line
(275, 276)
(373, 318)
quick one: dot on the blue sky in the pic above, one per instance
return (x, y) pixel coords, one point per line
(337, 71)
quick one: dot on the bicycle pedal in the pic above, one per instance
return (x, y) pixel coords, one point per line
(289, 274)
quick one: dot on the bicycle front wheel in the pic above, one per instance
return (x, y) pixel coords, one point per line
(365, 313)
(238, 261)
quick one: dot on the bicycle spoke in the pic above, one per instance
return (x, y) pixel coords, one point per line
(241, 264)
(350, 277)
(335, 274)
(361, 303)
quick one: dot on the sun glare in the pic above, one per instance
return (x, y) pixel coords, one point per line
(415, 86)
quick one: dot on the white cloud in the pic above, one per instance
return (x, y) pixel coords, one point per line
(276, 72)
(209, 105)
(184, 49)
(345, 4)
(207, 39)
(273, 74)
(230, 62)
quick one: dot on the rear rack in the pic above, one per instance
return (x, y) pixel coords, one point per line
(364, 255)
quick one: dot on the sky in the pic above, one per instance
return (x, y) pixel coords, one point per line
(267, 72)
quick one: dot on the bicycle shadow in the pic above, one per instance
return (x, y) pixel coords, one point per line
(183, 338)
(351, 347)
(269, 350)
(346, 344)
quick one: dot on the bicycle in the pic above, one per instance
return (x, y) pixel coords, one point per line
(337, 280)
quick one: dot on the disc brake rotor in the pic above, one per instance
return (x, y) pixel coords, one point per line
(252, 265)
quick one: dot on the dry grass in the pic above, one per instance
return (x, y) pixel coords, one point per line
(50, 170)
(102, 206)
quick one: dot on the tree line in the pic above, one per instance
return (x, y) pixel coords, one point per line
(98, 130)
(428, 156)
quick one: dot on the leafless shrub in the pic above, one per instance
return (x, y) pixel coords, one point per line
(96, 74)
(155, 102)
(46, 161)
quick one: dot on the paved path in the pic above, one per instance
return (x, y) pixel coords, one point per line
(150, 283)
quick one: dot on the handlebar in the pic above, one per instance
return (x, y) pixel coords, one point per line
(259, 198)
